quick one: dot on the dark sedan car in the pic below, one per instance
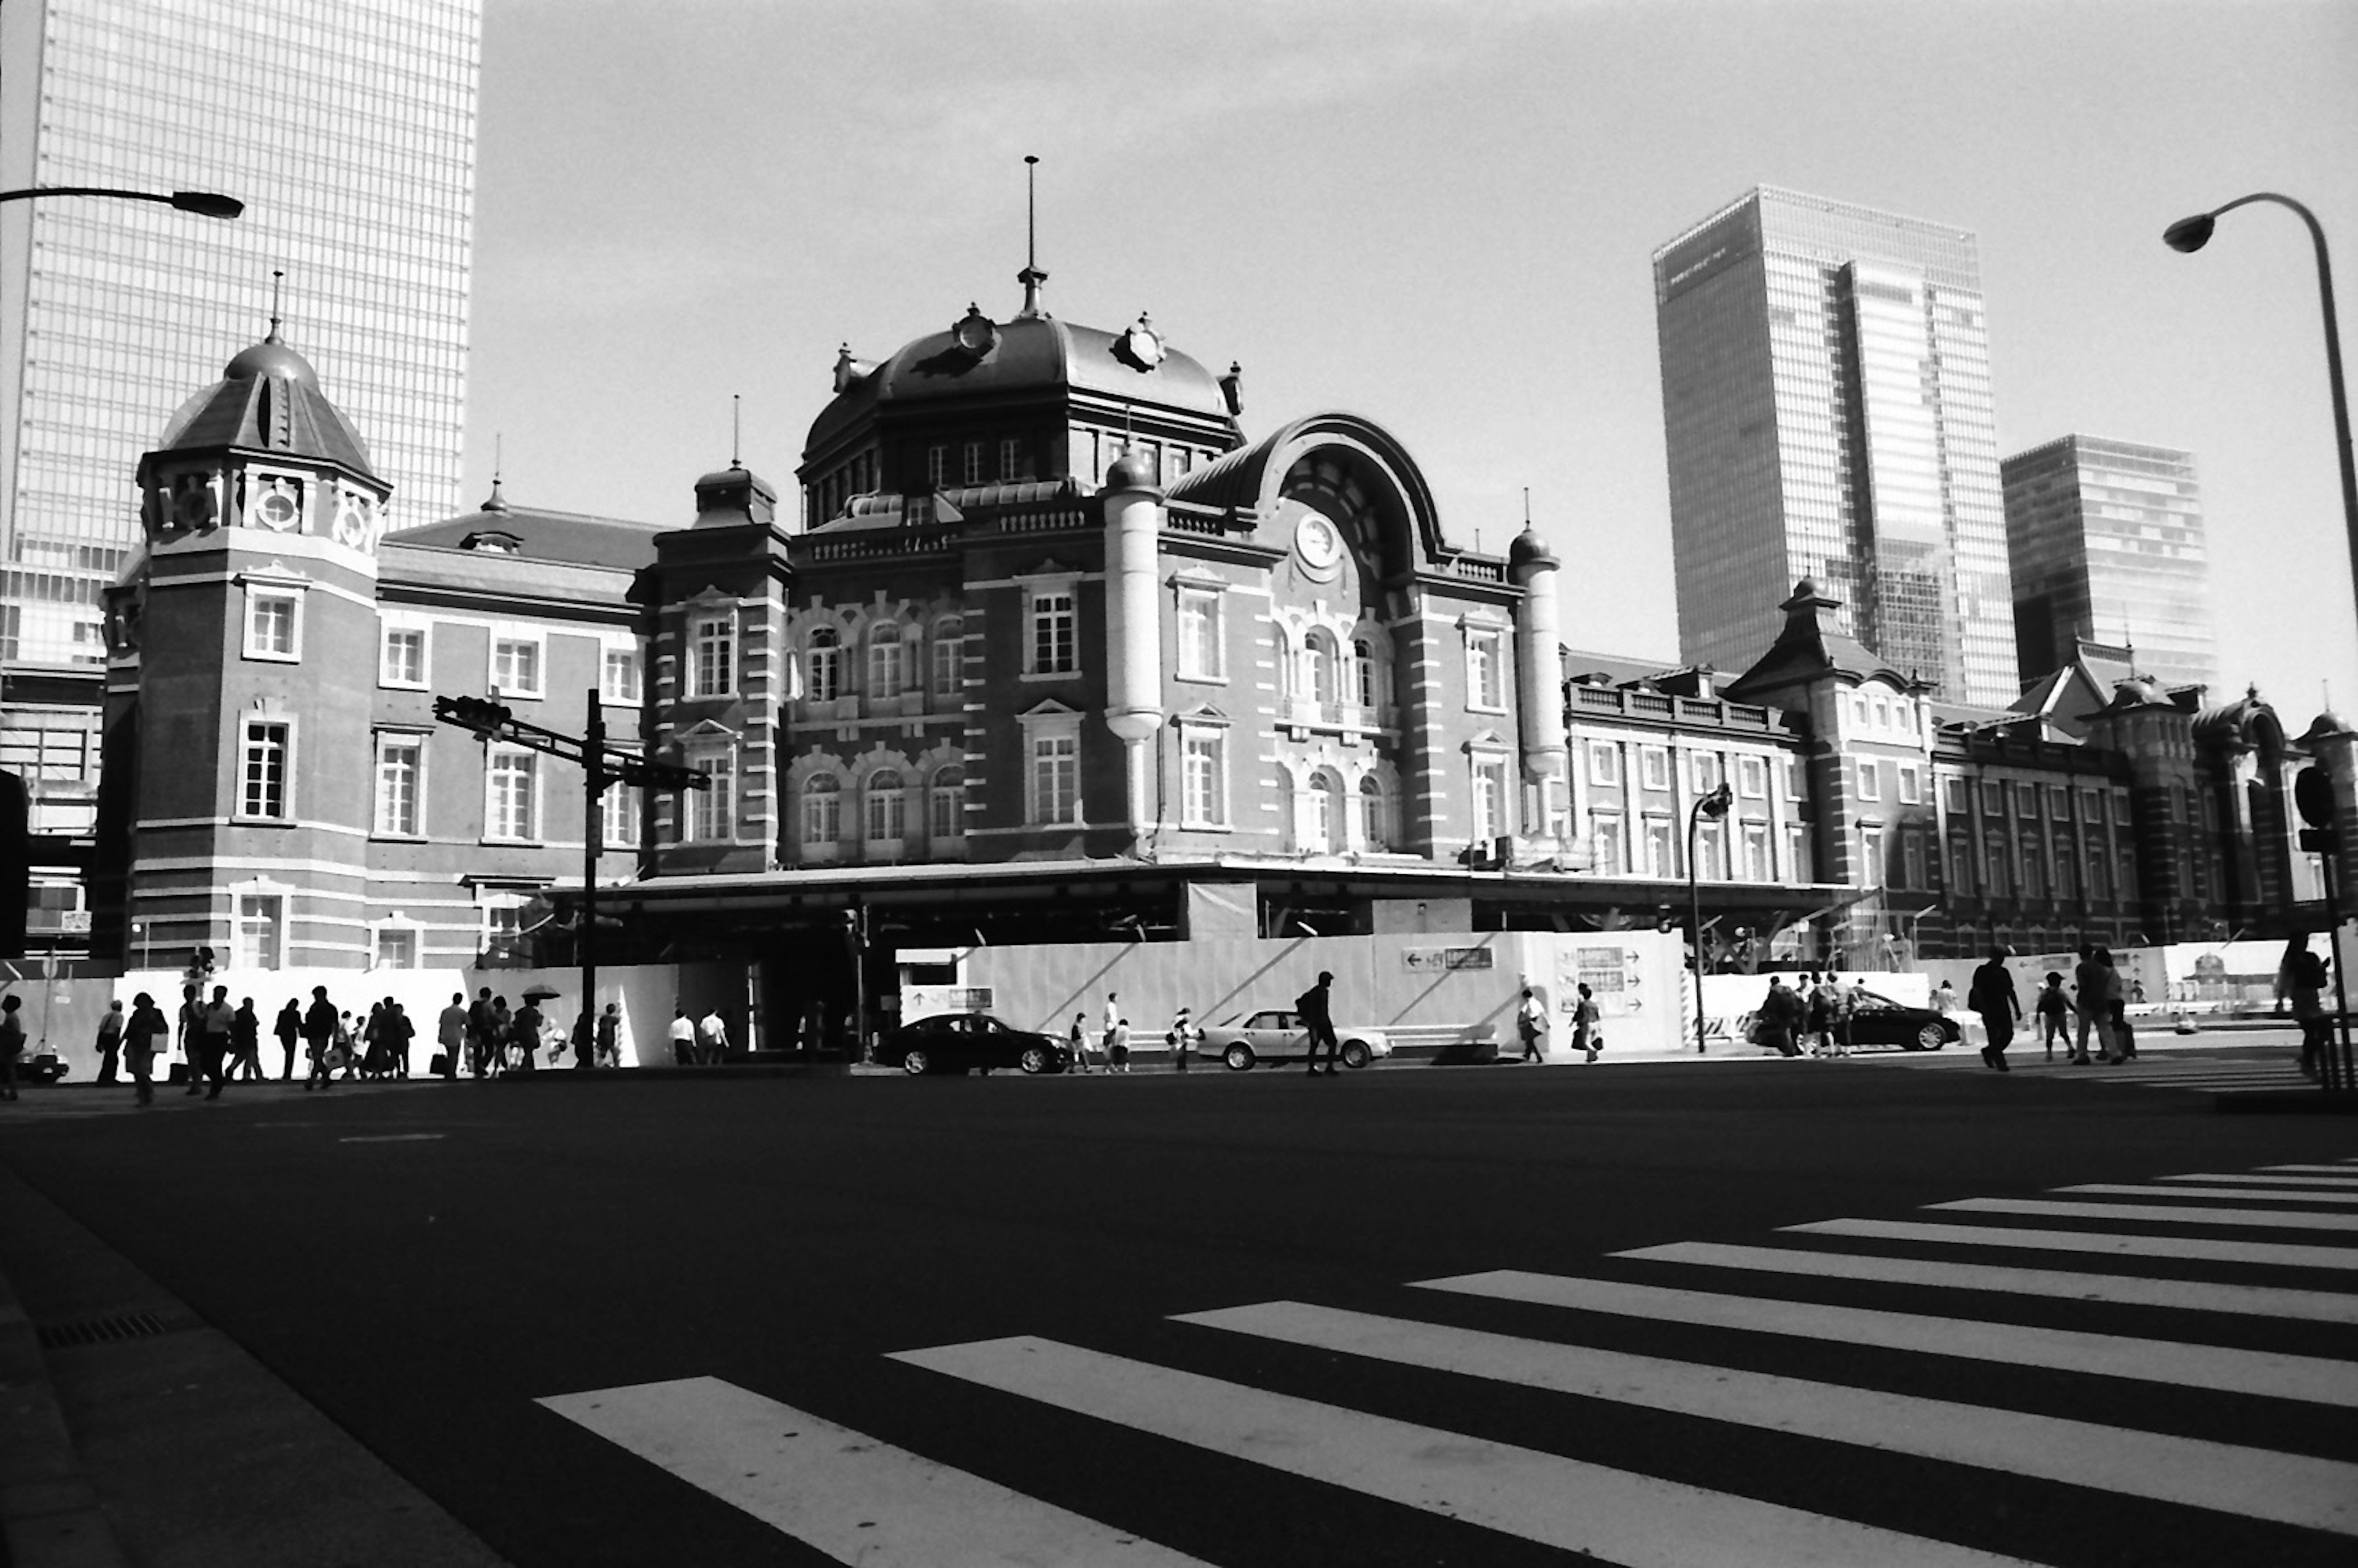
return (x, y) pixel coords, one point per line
(961, 1041)
(1879, 1020)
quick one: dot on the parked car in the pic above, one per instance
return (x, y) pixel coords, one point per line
(1879, 1020)
(961, 1041)
(1277, 1034)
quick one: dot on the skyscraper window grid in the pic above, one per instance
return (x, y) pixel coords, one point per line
(347, 127)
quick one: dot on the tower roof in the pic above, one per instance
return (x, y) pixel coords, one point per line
(1811, 647)
(268, 400)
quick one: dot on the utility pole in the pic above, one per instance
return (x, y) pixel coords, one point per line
(601, 764)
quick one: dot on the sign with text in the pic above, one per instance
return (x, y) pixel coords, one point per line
(1427, 960)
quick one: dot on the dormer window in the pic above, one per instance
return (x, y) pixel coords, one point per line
(493, 542)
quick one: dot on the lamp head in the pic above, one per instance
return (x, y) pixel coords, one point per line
(2189, 233)
(1714, 805)
(207, 203)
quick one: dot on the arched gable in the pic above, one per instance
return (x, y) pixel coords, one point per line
(1351, 468)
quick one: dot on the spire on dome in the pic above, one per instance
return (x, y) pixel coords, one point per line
(1031, 277)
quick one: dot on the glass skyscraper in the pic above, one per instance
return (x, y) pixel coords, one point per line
(348, 129)
(1827, 412)
(2108, 545)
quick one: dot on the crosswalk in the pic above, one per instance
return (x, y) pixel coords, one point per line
(2236, 1070)
(2183, 1384)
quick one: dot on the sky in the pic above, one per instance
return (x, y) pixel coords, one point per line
(1439, 216)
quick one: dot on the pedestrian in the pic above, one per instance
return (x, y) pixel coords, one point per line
(609, 1044)
(1820, 1020)
(2124, 1032)
(109, 1041)
(319, 1039)
(404, 1031)
(2305, 976)
(348, 1045)
(1782, 1013)
(246, 1043)
(2105, 983)
(1848, 993)
(451, 1036)
(682, 1037)
(2052, 1010)
(289, 1029)
(140, 1041)
(1182, 1040)
(215, 1024)
(1993, 998)
(711, 1038)
(1117, 1047)
(1532, 1025)
(1584, 1035)
(482, 1042)
(525, 1030)
(2094, 1017)
(12, 1044)
(585, 1040)
(188, 1033)
(1079, 1042)
(1314, 1007)
(503, 1036)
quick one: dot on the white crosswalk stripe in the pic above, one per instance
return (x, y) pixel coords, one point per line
(861, 1501)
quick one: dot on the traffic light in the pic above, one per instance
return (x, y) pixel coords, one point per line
(2312, 793)
(479, 714)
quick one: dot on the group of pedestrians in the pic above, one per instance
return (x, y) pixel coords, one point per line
(695, 1041)
(1810, 1017)
(2097, 1001)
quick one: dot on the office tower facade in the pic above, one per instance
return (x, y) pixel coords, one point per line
(348, 129)
(1827, 413)
(2108, 545)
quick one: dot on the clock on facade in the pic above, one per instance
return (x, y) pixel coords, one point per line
(1141, 348)
(278, 506)
(1317, 541)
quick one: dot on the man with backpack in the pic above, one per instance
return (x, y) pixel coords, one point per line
(1318, 1018)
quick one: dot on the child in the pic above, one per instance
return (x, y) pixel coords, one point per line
(1117, 1047)
(2054, 1012)
(2124, 1038)
(1080, 1043)
(1181, 1040)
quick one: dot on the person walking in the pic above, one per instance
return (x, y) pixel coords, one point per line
(319, 1038)
(216, 1021)
(1847, 996)
(2305, 979)
(483, 1027)
(245, 1045)
(2053, 1010)
(12, 1043)
(190, 1034)
(1532, 1025)
(1993, 998)
(1079, 1042)
(451, 1034)
(1584, 1037)
(525, 1031)
(682, 1037)
(2104, 1005)
(1117, 1047)
(289, 1029)
(1819, 1024)
(404, 1031)
(1315, 1009)
(711, 1038)
(142, 1037)
(1782, 1013)
(1182, 1040)
(109, 1041)
(2086, 987)
(608, 1041)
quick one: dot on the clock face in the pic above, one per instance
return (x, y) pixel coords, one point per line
(279, 507)
(1316, 539)
(975, 334)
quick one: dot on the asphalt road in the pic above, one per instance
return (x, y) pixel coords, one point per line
(977, 1282)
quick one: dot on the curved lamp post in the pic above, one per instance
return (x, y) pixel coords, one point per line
(205, 203)
(2192, 233)
(1713, 806)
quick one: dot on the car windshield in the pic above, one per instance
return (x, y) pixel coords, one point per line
(1873, 998)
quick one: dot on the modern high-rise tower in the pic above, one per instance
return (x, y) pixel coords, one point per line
(348, 129)
(2107, 544)
(1826, 404)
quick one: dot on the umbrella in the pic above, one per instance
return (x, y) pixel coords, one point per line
(539, 993)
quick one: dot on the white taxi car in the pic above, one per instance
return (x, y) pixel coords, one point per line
(1278, 1034)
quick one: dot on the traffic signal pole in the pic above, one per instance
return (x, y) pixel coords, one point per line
(594, 781)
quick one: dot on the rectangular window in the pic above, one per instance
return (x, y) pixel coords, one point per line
(945, 815)
(2097, 878)
(1797, 856)
(400, 768)
(1605, 763)
(1911, 792)
(516, 665)
(1199, 634)
(621, 679)
(1055, 647)
(2059, 803)
(2064, 859)
(949, 662)
(1995, 879)
(1055, 779)
(2034, 879)
(618, 815)
(1961, 867)
(1205, 769)
(261, 931)
(1489, 801)
(1870, 857)
(937, 466)
(1752, 778)
(402, 660)
(1654, 767)
(273, 624)
(884, 663)
(397, 948)
(511, 797)
(1992, 798)
(1484, 677)
(1710, 852)
(1911, 855)
(1661, 848)
(712, 813)
(1605, 838)
(2025, 800)
(2092, 807)
(263, 792)
(973, 462)
(1952, 791)
(2124, 885)
(712, 656)
(1797, 778)
(1754, 846)
(1704, 768)
(1870, 780)
(1011, 460)
(884, 805)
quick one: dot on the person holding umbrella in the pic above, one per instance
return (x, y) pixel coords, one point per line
(530, 1023)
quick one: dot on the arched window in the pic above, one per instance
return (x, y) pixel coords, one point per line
(1323, 676)
(884, 807)
(822, 811)
(1280, 790)
(1283, 650)
(946, 805)
(1363, 675)
(825, 667)
(883, 662)
(1375, 830)
(1326, 812)
(949, 656)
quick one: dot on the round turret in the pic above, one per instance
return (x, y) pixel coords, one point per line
(1528, 548)
(272, 357)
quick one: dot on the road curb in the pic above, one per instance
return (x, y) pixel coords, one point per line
(49, 1516)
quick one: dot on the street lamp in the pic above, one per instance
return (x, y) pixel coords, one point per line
(204, 203)
(1713, 806)
(2191, 234)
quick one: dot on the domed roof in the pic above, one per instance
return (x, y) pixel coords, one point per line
(1529, 547)
(1129, 473)
(268, 399)
(272, 357)
(978, 357)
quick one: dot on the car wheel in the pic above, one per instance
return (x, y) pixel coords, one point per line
(1356, 1055)
(1239, 1056)
(1034, 1059)
(1932, 1037)
(916, 1063)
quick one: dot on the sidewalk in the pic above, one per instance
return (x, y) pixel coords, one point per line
(142, 1437)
